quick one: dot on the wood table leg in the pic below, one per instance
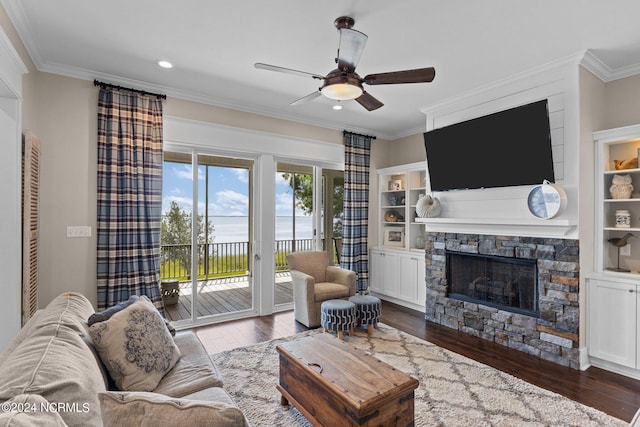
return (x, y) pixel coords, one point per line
(369, 330)
(284, 401)
(340, 335)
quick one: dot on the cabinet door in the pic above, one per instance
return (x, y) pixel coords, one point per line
(408, 283)
(422, 283)
(612, 322)
(390, 273)
(376, 278)
(384, 272)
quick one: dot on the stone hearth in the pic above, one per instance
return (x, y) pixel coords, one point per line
(553, 336)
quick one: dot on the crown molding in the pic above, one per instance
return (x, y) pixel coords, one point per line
(20, 22)
(84, 74)
(540, 75)
(598, 68)
(11, 67)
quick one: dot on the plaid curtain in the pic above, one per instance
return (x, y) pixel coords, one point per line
(355, 256)
(129, 196)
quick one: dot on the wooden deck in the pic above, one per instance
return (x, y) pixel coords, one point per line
(225, 295)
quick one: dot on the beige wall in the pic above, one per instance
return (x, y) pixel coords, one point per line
(67, 127)
(622, 103)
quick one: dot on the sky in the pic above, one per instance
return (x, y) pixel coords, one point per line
(228, 190)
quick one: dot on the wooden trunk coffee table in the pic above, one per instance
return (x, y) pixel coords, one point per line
(334, 384)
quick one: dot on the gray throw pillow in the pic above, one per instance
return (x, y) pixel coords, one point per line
(101, 316)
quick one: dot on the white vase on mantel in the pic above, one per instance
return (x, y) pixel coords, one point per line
(428, 206)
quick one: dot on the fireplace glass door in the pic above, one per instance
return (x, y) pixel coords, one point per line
(505, 283)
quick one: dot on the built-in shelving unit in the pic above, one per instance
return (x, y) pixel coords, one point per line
(400, 187)
(613, 289)
(397, 270)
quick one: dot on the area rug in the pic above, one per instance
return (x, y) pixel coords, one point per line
(454, 390)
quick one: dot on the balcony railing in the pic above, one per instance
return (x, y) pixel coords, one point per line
(222, 259)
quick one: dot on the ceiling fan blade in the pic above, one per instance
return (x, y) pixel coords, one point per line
(268, 67)
(307, 98)
(419, 75)
(368, 101)
(351, 46)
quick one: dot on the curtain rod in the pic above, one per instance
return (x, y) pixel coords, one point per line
(104, 85)
(344, 132)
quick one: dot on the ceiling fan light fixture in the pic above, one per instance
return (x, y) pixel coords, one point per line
(342, 91)
(341, 87)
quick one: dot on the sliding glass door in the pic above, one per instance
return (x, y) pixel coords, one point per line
(295, 224)
(210, 258)
(308, 217)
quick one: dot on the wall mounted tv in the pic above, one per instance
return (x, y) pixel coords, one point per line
(508, 148)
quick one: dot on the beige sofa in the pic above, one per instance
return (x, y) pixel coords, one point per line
(50, 375)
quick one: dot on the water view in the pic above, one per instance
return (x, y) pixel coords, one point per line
(235, 228)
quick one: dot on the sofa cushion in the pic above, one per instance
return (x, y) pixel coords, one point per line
(326, 290)
(135, 346)
(55, 362)
(30, 410)
(194, 371)
(153, 410)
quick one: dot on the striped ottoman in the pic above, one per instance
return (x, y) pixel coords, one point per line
(367, 310)
(338, 315)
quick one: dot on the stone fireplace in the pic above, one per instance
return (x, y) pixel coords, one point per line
(542, 321)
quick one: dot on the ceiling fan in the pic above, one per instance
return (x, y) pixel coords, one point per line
(344, 83)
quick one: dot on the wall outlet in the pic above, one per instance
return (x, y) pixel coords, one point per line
(79, 231)
(625, 250)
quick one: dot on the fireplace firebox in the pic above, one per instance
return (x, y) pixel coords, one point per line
(508, 284)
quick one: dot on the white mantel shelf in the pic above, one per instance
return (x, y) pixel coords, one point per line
(501, 226)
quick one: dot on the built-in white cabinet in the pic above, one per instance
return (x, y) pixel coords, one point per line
(613, 289)
(397, 262)
(398, 276)
(613, 325)
(399, 190)
(384, 272)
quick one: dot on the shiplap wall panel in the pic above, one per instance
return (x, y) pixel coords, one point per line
(505, 205)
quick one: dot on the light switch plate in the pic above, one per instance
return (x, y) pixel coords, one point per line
(625, 250)
(79, 231)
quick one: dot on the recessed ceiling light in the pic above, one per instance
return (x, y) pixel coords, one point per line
(165, 64)
(337, 107)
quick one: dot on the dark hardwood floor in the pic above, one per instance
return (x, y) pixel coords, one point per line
(614, 394)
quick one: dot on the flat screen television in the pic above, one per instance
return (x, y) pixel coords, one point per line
(508, 148)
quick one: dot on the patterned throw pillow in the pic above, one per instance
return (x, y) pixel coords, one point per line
(135, 346)
(101, 316)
